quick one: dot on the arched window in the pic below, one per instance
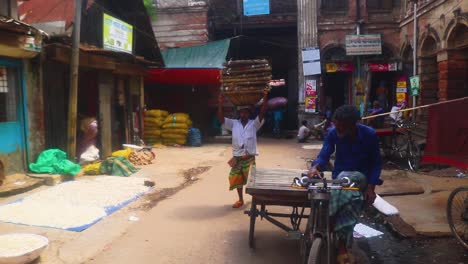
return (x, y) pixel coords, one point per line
(334, 5)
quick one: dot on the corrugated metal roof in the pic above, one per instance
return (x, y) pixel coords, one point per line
(13, 25)
(40, 11)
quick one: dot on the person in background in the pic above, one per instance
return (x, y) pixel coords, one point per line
(397, 117)
(382, 95)
(277, 118)
(244, 144)
(357, 153)
(376, 122)
(304, 133)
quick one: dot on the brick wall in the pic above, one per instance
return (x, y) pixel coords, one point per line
(181, 26)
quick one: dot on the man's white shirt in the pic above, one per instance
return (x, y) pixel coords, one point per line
(244, 139)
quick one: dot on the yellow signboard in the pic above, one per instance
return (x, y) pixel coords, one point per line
(401, 97)
(401, 84)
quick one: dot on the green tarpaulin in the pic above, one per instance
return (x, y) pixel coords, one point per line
(211, 55)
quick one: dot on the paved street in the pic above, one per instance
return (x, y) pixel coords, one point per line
(189, 219)
(198, 225)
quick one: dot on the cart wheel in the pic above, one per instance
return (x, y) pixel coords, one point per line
(318, 252)
(253, 216)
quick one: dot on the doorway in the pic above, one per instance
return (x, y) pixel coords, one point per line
(336, 89)
(382, 89)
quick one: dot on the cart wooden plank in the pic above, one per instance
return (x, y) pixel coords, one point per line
(271, 184)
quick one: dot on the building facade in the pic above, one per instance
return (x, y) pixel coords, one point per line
(111, 70)
(21, 105)
(442, 47)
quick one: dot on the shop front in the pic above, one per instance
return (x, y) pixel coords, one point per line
(18, 45)
(337, 82)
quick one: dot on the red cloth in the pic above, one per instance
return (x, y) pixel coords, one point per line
(447, 136)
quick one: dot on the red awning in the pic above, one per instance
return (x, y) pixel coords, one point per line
(189, 76)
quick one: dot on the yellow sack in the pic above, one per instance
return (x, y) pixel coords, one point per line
(92, 169)
(157, 113)
(177, 118)
(152, 133)
(178, 131)
(151, 128)
(174, 136)
(171, 142)
(175, 125)
(153, 122)
(122, 153)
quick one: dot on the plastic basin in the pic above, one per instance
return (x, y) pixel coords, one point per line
(30, 254)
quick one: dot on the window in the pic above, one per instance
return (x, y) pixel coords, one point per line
(8, 94)
(380, 5)
(334, 5)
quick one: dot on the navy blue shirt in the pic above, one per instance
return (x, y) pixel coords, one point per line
(362, 155)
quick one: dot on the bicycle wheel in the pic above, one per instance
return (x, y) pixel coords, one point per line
(413, 155)
(457, 214)
(318, 252)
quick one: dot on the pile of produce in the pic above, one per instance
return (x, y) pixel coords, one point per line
(175, 129)
(154, 120)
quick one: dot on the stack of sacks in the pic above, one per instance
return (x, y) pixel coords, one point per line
(154, 120)
(176, 128)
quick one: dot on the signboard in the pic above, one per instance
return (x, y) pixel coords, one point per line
(30, 43)
(310, 54)
(117, 35)
(339, 67)
(382, 67)
(310, 104)
(401, 97)
(414, 81)
(311, 61)
(363, 45)
(311, 96)
(311, 88)
(256, 7)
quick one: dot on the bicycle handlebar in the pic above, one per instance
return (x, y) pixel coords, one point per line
(340, 184)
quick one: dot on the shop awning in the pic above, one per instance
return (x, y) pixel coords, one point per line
(197, 65)
(188, 76)
(211, 55)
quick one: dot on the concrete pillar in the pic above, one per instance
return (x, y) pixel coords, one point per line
(106, 86)
(307, 30)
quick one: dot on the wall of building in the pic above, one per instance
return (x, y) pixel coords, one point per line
(181, 23)
(333, 26)
(443, 63)
(35, 126)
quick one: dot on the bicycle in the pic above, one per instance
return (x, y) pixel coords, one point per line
(457, 214)
(318, 235)
(402, 144)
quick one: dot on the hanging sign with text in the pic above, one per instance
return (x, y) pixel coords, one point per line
(310, 96)
(382, 67)
(311, 61)
(256, 7)
(363, 45)
(339, 67)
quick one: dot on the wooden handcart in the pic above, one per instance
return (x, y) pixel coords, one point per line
(272, 187)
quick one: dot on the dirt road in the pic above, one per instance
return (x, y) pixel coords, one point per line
(198, 225)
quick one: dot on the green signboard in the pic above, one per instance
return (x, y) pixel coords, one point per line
(117, 35)
(414, 91)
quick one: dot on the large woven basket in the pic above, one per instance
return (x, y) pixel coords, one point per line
(244, 98)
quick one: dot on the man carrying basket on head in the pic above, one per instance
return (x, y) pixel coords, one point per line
(244, 143)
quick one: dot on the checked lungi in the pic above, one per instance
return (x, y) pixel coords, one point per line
(240, 171)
